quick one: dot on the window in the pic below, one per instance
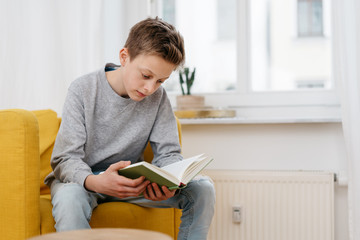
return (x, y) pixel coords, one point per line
(281, 58)
(209, 30)
(310, 18)
(263, 53)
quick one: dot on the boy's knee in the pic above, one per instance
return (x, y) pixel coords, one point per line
(203, 188)
(208, 188)
(72, 207)
(71, 195)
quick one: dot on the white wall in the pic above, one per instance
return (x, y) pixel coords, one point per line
(120, 16)
(300, 146)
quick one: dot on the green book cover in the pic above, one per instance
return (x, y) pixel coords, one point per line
(143, 169)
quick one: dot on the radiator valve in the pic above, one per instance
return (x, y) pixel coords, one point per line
(236, 214)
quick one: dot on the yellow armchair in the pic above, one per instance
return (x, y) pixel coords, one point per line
(26, 143)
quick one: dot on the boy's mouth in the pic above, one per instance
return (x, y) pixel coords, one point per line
(140, 94)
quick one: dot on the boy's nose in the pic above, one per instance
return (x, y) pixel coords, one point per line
(150, 87)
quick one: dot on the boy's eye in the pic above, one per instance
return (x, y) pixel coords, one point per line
(146, 76)
(159, 81)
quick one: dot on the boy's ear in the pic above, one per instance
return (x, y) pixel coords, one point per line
(124, 56)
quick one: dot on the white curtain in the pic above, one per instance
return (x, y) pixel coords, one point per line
(347, 67)
(44, 45)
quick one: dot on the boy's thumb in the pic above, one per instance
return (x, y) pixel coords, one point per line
(119, 165)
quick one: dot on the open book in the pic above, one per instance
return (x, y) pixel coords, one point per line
(174, 176)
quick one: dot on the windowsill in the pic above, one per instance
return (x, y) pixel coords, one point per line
(244, 120)
(273, 115)
(271, 108)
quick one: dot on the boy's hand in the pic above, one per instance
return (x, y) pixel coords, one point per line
(154, 193)
(113, 184)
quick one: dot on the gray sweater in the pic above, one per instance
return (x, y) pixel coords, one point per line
(99, 128)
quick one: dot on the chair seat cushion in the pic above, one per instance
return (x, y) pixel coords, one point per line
(46, 219)
(117, 215)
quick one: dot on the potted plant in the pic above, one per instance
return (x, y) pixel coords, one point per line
(187, 100)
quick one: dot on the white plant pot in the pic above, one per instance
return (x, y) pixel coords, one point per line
(190, 102)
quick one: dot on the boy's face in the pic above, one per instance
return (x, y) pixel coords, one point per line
(143, 75)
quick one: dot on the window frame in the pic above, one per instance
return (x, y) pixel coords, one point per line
(310, 104)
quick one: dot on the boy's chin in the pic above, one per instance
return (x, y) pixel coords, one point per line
(137, 98)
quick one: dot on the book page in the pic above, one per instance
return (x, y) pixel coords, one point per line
(177, 169)
(195, 168)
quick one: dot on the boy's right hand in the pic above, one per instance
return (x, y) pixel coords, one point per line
(113, 184)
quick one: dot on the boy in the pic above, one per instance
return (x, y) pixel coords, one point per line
(108, 118)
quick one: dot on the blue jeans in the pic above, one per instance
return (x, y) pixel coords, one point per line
(73, 206)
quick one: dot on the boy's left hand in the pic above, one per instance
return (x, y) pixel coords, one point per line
(154, 193)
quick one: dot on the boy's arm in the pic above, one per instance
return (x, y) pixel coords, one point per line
(68, 154)
(164, 137)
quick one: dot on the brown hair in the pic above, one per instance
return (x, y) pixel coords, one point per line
(155, 36)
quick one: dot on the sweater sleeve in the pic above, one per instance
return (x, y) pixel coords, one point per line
(68, 155)
(164, 137)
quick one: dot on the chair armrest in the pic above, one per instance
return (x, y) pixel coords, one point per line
(19, 174)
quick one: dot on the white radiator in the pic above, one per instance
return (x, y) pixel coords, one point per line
(284, 205)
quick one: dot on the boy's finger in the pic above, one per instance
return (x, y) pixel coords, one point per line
(146, 194)
(157, 190)
(130, 191)
(150, 192)
(132, 182)
(168, 193)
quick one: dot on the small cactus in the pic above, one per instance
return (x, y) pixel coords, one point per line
(189, 80)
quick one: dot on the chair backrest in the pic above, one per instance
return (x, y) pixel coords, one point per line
(49, 124)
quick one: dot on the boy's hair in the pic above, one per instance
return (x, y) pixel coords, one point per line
(154, 36)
